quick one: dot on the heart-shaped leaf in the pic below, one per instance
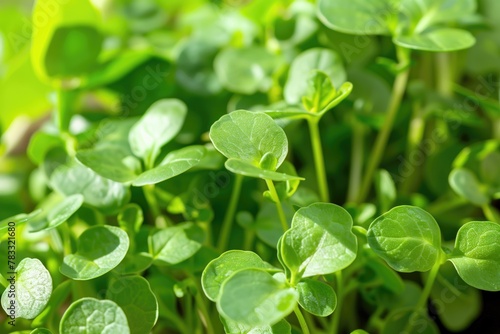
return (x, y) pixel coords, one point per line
(161, 122)
(270, 300)
(221, 268)
(324, 60)
(319, 242)
(316, 297)
(100, 249)
(175, 244)
(252, 137)
(134, 296)
(407, 238)
(92, 316)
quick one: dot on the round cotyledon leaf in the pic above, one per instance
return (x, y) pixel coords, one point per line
(33, 288)
(92, 316)
(100, 249)
(477, 255)
(407, 238)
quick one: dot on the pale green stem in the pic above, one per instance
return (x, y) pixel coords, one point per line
(204, 312)
(276, 200)
(356, 161)
(340, 297)
(230, 212)
(302, 321)
(3, 281)
(383, 136)
(149, 193)
(490, 214)
(319, 161)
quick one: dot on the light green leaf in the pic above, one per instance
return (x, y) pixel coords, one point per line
(134, 296)
(358, 17)
(100, 249)
(319, 242)
(324, 60)
(69, 41)
(175, 244)
(61, 212)
(438, 40)
(458, 303)
(41, 331)
(476, 255)
(465, 184)
(254, 297)
(245, 70)
(221, 268)
(161, 122)
(316, 297)
(406, 321)
(321, 95)
(130, 218)
(92, 316)
(238, 166)
(33, 287)
(97, 191)
(19, 219)
(232, 327)
(40, 144)
(422, 14)
(114, 163)
(249, 136)
(407, 238)
(175, 163)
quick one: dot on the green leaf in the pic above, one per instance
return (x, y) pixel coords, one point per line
(33, 287)
(319, 242)
(40, 144)
(476, 255)
(457, 303)
(232, 327)
(248, 136)
(41, 331)
(57, 298)
(100, 249)
(61, 212)
(422, 14)
(324, 60)
(254, 297)
(175, 244)
(358, 17)
(407, 238)
(19, 219)
(316, 297)
(245, 70)
(175, 163)
(114, 163)
(92, 316)
(465, 184)
(221, 268)
(238, 166)
(134, 296)
(406, 321)
(321, 95)
(130, 219)
(385, 188)
(438, 40)
(97, 191)
(489, 169)
(161, 122)
(69, 41)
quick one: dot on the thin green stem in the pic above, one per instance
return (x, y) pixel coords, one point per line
(149, 193)
(3, 281)
(383, 136)
(227, 224)
(421, 304)
(356, 161)
(340, 298)
(319, 161)
(65, 100)
(276, 200)
(205, 316)
(302, 321)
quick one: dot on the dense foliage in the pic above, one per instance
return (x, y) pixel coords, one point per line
(256, 166)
